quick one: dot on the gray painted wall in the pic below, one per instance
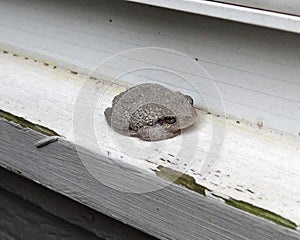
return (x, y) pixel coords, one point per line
(23, 220)
(30, 211)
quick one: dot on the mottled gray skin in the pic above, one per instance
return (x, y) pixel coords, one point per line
(151, 112)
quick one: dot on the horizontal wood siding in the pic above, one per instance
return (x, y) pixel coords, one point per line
(283, 6)
(256, 70)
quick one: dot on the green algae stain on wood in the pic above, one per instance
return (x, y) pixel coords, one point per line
(190, 183)
(180, 178)
(260, 212)
(26, 124)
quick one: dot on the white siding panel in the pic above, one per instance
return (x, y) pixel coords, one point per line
(284, 6)
(238, 13)
(255, 69)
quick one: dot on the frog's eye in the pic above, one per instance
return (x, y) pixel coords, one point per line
(190, 99)
(170, 119)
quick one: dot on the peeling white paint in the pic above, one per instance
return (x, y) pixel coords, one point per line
(257, 165)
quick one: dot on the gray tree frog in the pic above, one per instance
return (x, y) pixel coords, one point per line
(151, 112)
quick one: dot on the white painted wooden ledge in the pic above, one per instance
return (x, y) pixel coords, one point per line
(228, 11)
(256, 166)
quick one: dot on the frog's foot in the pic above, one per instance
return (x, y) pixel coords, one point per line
(107, 114)
(151, 133)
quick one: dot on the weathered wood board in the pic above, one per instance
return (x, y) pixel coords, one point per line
(246, 165)
(243, 152)
(171, 212)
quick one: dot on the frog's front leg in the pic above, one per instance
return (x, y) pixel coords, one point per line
(154, 133)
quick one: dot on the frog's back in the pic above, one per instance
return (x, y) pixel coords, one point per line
(138, 97)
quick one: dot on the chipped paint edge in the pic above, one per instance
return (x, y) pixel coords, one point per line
(186, 181)
(189, 182)
(27, 124)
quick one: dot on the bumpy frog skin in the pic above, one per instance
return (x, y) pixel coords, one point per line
(151, 112)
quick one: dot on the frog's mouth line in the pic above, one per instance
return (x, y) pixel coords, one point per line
(179, 127)
(176, 130)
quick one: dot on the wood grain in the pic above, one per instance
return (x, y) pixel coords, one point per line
(233, 159)
(169, 213)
